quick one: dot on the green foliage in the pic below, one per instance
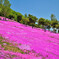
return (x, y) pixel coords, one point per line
(41, 21)
(6, 3)
(4, 7)
(57, 26)
(15, 15)
(25, 15)
(32, 19)
(47, 22)
(10, 16)
(54, 23)
(0, 11)
(36, 25)
(58, 31)
(25, 21)
(53, 18)
(1, 1)
(19, 18)
(32, 24)
(48, 27)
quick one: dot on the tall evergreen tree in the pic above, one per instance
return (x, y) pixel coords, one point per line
(25, 15)
(1, 1)
(6, 7)
(7, 3)
(53, 18)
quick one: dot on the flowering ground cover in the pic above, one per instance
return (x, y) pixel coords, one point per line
(18, 41)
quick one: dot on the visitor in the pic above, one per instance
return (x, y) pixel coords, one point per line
(0, 18)
(48, 27)
(3, 19)
(45, 27)
(32, 26)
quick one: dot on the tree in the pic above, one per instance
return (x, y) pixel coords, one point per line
(10, 16)
(0, 11)
(57, 26)
(19, 18)
(25, 21)
(54, 23)
(25, 15)
(47, 22)
(36, 25)
(5, 7)
(41, 21)
(53, 18)
(7, 3)
(1, 1)
(32, 24)
(32, 19)
(1, 8)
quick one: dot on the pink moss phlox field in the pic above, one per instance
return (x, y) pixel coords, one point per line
(46, 44)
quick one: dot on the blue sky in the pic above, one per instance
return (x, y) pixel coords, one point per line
(38, 8)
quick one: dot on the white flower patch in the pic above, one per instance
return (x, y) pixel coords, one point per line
(4, 44)
(1, 24)
(8, 33)
(24, 46)
(7, 37)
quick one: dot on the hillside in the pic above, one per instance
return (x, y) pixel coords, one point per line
(18, 41)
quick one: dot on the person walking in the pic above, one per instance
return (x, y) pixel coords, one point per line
(48, 27)
(45, 27)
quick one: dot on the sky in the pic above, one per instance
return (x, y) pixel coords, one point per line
(38, 8)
